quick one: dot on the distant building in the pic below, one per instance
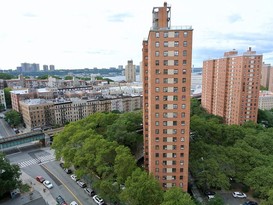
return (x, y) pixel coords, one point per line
(130, 72)
(45, 67)
(265, 100)
(120, 67)
(51, 67)
(2, 98)
(267, 77)
(27, 67)
(140, 71)
(231, 85)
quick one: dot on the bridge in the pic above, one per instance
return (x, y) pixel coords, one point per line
(38, 135)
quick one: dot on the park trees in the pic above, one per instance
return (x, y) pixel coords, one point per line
(13, 118)
(9, 175)
(175, 196)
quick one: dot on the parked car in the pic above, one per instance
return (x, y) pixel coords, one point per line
(237, 194)
(40, 179)
(62, 165)
(81, 184)
(47, 184)
(60, 200)
(250, 203)
(68, 171)
(74, 177)
(73, 203)
(98, 200)
(90, 191)
(210, 194)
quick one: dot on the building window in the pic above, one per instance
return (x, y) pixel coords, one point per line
(181, 147)
(165, 53)
(183, 114)
(185, 43)
(175, 71)
(184, 71)
(183, 123)
(157, 106)
(165, 34)
(176, 43)
(164, 123)
(185, 34)
(183, 97)
(157, 53)
(157, 71)
(165, 80)
(157, 131)
(176, 62)
(156, 154)
(156, 162)
(157, 80)
(175, 106)
(183, 89)
(183, 106)
(165, 71)
(174, 123)
(157, 115)
(157, 62)
(165, 62)
(184, 62)
(157, 89)
(183, 80)
(165, 106)
(165, 98)
(175, 89)
(175, 80)
(157, 44)
(184, 53)
(176, 34)
(175, 53)
(156, 98)
(165, 89)
(165, 43)
(157, 147)
(175, 98)
(157, 34)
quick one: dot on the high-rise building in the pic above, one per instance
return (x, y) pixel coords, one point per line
(230, 86)
(51, 67)
(130, 71)
(45, 67)
(166, 63)
(267, 76)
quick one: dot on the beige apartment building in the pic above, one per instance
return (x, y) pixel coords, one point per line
(44, 113)
(130, 71)
(231, 84)
(267, 71)
(2, 98)
(266, 100)
(166, 63)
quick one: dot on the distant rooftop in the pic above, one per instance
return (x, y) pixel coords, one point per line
(185, 27)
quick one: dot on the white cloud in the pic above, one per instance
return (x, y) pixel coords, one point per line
(104, 33)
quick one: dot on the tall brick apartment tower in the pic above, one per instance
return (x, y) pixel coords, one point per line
(230, 86)
(166, 62)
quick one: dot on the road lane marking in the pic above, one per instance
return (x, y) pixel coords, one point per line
(63, 184)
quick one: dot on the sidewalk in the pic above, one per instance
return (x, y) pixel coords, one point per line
(38, 187)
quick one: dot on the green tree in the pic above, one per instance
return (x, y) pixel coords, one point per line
(141, 188)
(7, 97)
(175, 196)
(269, 200)
(13, 118)
(2, 107)
(68, 77)
(6, 76)
(43, 77)
(9, 175)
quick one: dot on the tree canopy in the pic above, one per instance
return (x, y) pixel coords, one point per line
(13, 118)
(9, 175)
(220, 152)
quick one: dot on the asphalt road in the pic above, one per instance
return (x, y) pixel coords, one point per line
(50, 170)
(5, 129)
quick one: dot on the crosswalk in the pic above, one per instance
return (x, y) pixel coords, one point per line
(38, 160)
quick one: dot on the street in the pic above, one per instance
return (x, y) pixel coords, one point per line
(41, 162)
(5, 129)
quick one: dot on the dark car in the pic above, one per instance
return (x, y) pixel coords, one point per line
(40, 179)
(60, 200)
(250, 203)
(62, 165)
(89, 191)
(68, 171)
(210, 194)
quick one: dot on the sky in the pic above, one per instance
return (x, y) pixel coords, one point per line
(77, 34)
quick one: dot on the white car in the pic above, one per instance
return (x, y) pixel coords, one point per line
(237, 194)
(73, 203)
(74, 177)
(47, 184)
(98, 200)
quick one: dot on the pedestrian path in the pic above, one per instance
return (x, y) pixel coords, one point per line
(38, 160)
